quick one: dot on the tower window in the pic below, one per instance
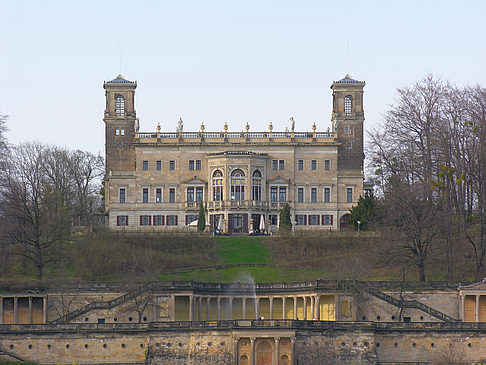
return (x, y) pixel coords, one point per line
(122, 131)
(348, 102)
(314, 195)
(300, 195)
(122, 195)
(301, 165)
(119, 105)
(158, 165)
(349, 195)
(145, 165)
(171, 165)
(327, 164)
(314, 164)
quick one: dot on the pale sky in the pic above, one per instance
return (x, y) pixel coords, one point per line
(222, 61)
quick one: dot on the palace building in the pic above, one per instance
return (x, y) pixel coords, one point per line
(155, 181)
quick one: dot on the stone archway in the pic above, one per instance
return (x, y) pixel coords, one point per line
(284, 360)
(343, 224)
(264, 353)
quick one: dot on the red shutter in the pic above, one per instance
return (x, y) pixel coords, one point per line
(162, 217)
(153, 220)
(126, 220)
(305, 220)
(331, 219)
(230, 223)
(176, 220)
(117, 220)
(318, 220)
(322, 219)
(140, 220)
(150, 220)
(245, 223)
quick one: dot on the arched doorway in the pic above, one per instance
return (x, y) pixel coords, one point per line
(243, 360)
(343, 224)
(284, 360)
(264, 354)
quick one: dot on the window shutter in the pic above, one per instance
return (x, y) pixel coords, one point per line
(322, 219)
(305, 220)
(211, 223)
(141, 220)
(331, 219)
(245, 222)
(117, 220)
(309, 221)
(153, 220)
(318, 220)
(176, 220)
(150, 220)
(230, 223)
(187, 220)
(126, 220)
(162, 217)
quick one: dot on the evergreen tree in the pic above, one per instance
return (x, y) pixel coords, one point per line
(201, 219)
(366, 212)
(285, 225)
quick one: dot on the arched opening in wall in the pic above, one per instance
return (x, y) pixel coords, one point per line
(243, 360)
(348, 104)
(119, 105)
(343, 223)
(284, 360)
(238, 185)
(256, 186)
(217, 186)
(264, 355)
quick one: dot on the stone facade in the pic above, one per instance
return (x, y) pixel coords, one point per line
(155, 181)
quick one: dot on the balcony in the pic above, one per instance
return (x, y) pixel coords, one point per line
(245, 204)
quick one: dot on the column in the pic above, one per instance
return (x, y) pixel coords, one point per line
(44, 309)
(230, 307)
(283, 308)
(292, 342)
(191, 308)
(318, 307)
(476, 312)
(243, 307)
(1, 310)
(277, 343)
(208, 300)
(257, 307)
(271, 307)
(30, 310)
(200, 309)
(461, 307)
(312, 300)
(219, 309)
(295, 307)
(305, 308)
(252, 350)
(16, 310)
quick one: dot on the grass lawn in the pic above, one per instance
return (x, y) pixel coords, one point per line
(244, 250)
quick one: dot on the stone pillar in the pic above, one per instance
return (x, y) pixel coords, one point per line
(461, 308)
(292, 342)
(305, 308)
(476, 312)
(1, 310)
(277, 343)
(313, 313)
(219, 309)
(243, 308)
(30, 310)
(318, 307)
(16, 310)
(252, 350)
(44, 309)
(295, 308)
(257, 308)
(191, 308)
(271, 307)
(230, 307)
(208, 301)
(283, 308)
(200, 309)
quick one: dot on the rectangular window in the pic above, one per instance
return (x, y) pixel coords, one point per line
(190, 218)
(275, 164)
(300, 165)
(349, 195)
(145, 195)
(327, 164)
(145, 220)
(172, 220)
(346, 130)
(172, 195)
(122, 220)
(314, 195)
(190, 195)
(145, 165)
(281, 165)
(326, 220)
(158, 195)
(122, 195)
(351, 130)
(237, 220)
(191, 164)
(158, 220)
(300, 220)
(300, 195)
(158, 165)
(273, 219)
(117, 131)
(313, 220)
(122, 131)
(199, 194)
(327, 195)
(314, 164)
(273, 193)
(198, 164)
(171, 165)
(282, 194)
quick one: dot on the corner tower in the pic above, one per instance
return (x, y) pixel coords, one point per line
(347, 122)
(120, 124)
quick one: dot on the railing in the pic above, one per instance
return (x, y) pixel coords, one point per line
(235, 135)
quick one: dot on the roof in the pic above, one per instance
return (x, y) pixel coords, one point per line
(481, 286)
(120, 80)
(348, 80)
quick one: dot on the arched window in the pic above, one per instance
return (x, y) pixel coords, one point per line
(256, 186)
(119, 105)
(348, 103)
(217, 185)
(237, 185)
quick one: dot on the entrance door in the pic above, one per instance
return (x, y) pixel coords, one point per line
(264, 353)
(256, 222)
